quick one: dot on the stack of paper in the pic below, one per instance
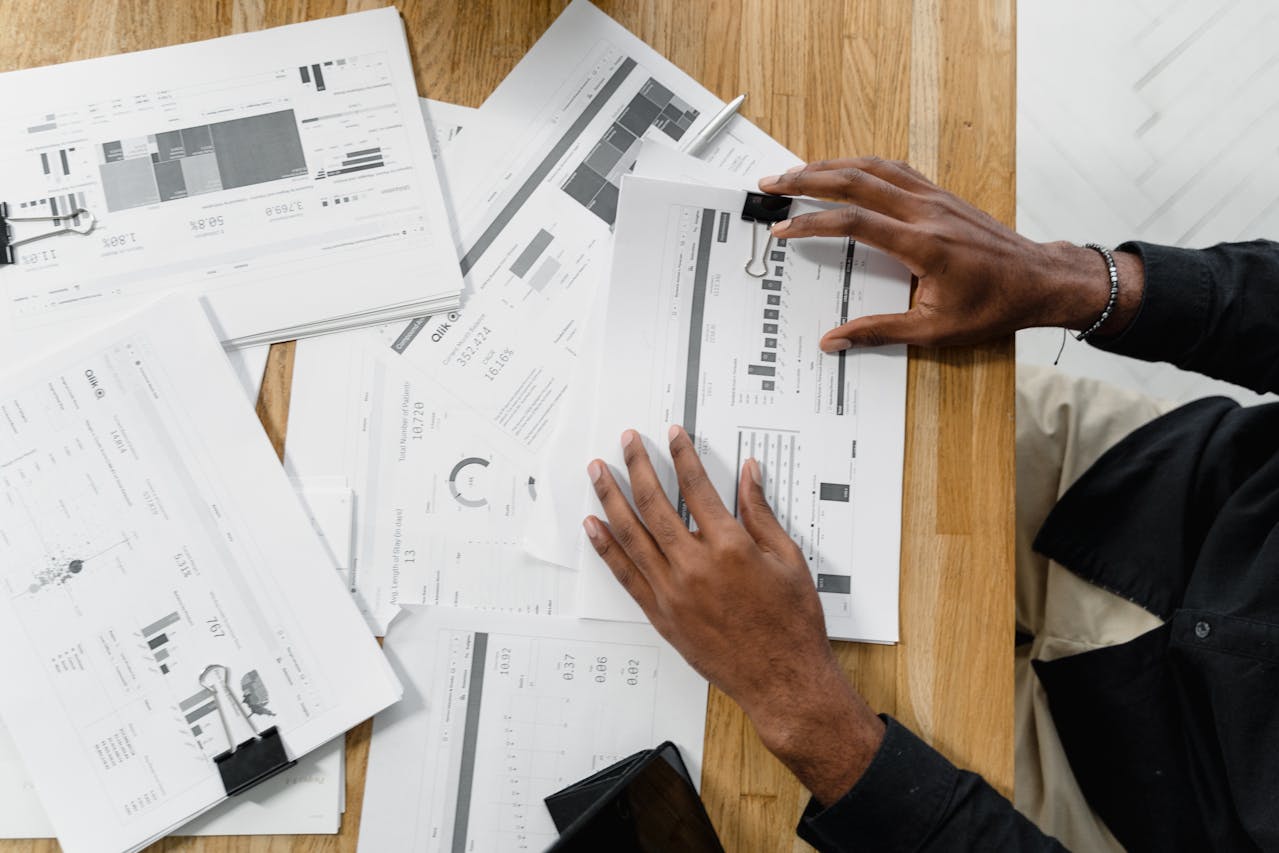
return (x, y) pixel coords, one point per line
(269, 172)
(434, 470)
(149, 533)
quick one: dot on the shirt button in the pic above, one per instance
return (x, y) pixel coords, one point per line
(1202, 630)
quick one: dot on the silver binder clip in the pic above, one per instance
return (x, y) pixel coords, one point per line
(78, 221)
(762, 209)
(252, 757)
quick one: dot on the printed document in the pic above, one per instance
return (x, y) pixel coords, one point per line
(148, 531)
(304, 800)
(692, 339)
(536, 219)
(284, 175)
(507, 709)
(439, 508)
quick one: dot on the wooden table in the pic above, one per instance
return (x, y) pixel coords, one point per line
(930, 81)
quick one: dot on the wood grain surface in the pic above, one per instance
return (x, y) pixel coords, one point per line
(931, 81)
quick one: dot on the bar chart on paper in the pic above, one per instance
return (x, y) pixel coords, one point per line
(158, 637)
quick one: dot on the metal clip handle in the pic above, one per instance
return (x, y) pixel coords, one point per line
(85, 227)
(763, 258)
(236, 723)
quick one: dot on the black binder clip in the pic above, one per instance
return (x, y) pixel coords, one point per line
(253, 757)
(763, 209)
(78, 221)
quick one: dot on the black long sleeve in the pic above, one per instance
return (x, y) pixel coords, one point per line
(912, 799)
(1214, 311)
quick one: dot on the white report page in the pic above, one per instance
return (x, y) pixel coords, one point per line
(147, 531)
(692, 339)
(285, 175)
(534, 187)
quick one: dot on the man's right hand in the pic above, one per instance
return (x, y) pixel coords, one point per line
(978, 279)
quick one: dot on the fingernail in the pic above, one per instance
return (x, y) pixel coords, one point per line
(756, 474)
(771, 179)
(595, 470)
(837, 345)
(781, 226)
(592, 527)
(627, 437)
(793, 169)
(674, 432)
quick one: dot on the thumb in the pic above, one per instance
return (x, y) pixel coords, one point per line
(879, 330)
(755, 513)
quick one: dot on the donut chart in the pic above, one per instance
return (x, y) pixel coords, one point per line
(456, 473)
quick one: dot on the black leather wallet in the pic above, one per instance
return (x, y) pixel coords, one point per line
(642, 804)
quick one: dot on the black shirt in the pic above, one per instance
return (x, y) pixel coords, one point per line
(1174, 736)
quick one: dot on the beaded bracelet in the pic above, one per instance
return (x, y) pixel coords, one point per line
(1114, 290)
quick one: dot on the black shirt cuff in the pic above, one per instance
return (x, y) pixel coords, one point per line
(1175, 306)
(896, 804)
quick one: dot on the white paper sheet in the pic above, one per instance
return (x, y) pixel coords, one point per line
(305, 799)
(249, 364)
(536, 218)
(439, 509)
(552, 533)
(694, 340)
(150, 532)
(503, 710)
(268, 171)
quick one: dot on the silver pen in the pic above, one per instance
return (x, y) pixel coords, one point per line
(714, 126)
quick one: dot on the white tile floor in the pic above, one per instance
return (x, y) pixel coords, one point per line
(1146, 119)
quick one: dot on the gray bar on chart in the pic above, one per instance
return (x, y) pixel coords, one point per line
(769, 284)
(202, 711)
(44, 161)
(544, 274)
(771, 314)
(841, 584)
(157, 627)
(202, 696)
(770, 328)
(761, 370)
(157, 641)
(364, 152)
(774, 299)
(834, 492)
(696, 318)
(540, 172)
(40, 128)
(66, 168)
(531, 253)
(372, 158)
(722, 236)
(842, 370)
(161, 655)
(470, 736)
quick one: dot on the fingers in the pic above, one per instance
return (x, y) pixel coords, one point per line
(865, 226)
(854, 186)
(895, 172)
(879, 330)
(664, 524)
(756, 515)
(699, 494)
(622, 566)
(625, 527)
